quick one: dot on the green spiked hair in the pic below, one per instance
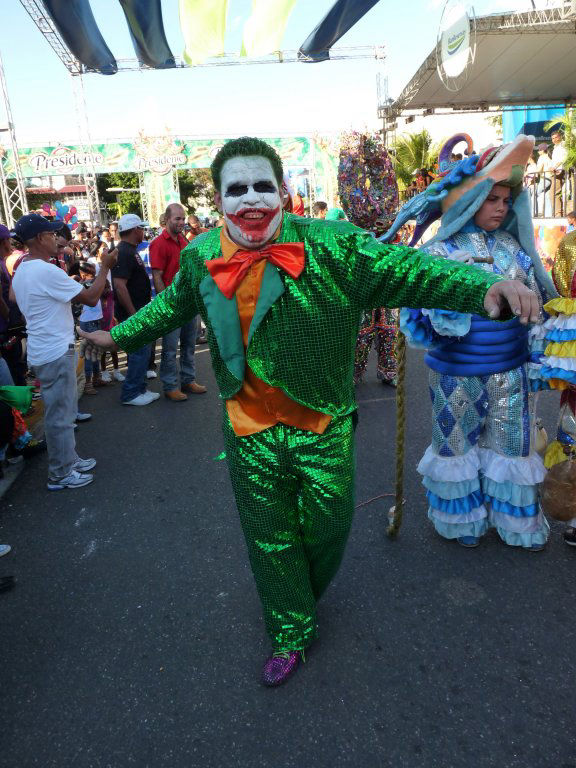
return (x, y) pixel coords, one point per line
(246, 146)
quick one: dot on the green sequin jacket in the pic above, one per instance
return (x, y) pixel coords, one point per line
(303, 334)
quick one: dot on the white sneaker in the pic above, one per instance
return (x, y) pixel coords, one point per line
(152, 395)
(106, 377)
(73, 480)
(84, 465)
(144, 399)
(4, 549)
(117, 375)
(151, 374)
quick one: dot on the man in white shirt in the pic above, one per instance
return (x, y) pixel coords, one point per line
(43, 292)
(545, 179)
(559, 155)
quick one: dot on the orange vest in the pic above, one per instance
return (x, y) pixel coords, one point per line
(258, 406)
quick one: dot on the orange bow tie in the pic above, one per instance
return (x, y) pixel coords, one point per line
(229, 274)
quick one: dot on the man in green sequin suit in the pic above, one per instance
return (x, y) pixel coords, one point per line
(294, 487)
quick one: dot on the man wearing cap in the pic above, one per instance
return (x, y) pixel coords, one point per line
(165, 262)
(132, 291)
(44, 292)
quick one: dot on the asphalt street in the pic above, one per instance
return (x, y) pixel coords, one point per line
(134, 636)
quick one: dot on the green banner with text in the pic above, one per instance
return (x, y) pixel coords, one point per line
(158, 154)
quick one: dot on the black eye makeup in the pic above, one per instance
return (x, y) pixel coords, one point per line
(264, 186)
(236, 190)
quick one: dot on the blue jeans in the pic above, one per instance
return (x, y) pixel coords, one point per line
(135, 382)
(6, 379)
(168, 365)
(91, 367)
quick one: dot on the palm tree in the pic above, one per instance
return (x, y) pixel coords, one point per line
(411, 152)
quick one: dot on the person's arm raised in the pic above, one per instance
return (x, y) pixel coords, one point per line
(91, 295)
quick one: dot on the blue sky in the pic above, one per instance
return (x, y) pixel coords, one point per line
(296, 99)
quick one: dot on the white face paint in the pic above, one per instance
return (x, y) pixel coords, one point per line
(251, 201)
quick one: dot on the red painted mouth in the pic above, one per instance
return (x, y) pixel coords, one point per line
(254, 221)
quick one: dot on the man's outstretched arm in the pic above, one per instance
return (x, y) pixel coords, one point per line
(171, 309)
(398, 276)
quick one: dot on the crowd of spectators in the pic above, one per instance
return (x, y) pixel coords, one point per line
(547, 179)
(55, 282)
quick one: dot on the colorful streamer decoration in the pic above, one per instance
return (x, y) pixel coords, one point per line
(264, 30)
(366, 180)
(203, 24)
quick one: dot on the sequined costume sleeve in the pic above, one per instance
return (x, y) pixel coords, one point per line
(428, 328)
(564, 268)
(395, 276)
(171, 309)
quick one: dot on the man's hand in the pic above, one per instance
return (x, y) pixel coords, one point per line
(101, 339)
(514, 295)
(109, 259)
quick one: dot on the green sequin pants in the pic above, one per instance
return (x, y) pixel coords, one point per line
(295, 495)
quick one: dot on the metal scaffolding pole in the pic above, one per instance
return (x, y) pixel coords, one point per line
(14, 193)
(89, 174)
(144, 202)
(175, 184)
(45, 24)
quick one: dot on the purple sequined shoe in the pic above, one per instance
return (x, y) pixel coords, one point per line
(280, 666)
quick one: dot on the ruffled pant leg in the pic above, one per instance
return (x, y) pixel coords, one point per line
(451, 465)
(511, 468)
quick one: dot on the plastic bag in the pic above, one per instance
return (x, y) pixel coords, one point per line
(559, 491)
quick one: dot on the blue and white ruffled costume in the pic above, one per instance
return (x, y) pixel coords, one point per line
(481, 469)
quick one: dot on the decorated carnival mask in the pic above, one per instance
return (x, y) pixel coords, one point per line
(461, 187)
(503, 165)
(250, 200)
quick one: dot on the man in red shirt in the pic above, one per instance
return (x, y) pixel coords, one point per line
(165, 262)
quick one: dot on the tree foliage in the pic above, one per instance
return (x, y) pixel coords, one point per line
(196, 189)
(119, 203)
(497, 122)
(411, 152)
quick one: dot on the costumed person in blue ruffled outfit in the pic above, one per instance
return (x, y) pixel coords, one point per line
(481, 470)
